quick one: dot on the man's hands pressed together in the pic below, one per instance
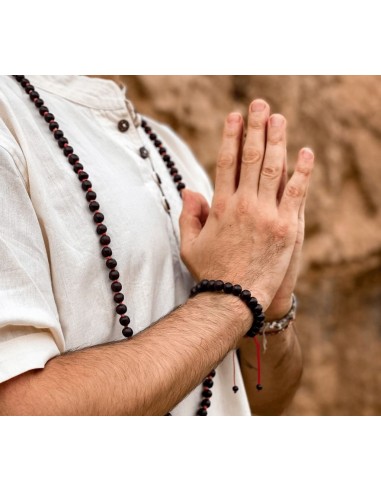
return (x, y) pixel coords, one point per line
(253, 232)
(253, 236)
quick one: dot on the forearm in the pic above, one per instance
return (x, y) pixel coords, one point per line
(281, 370)
(147, 375)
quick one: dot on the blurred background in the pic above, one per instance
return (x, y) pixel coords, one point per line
(339, 291)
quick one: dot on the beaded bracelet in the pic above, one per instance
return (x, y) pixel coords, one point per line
(236, 290)
(277, 326)
(250, 301)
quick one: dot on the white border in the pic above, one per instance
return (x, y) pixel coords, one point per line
(195, 37)
(187, 454)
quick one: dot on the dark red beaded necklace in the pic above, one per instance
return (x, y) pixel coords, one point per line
(98, 217)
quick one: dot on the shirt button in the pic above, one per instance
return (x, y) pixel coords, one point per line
(166, 205)
(123, 125)
(143, 152)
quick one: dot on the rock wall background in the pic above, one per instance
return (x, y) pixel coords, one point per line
(339, 320)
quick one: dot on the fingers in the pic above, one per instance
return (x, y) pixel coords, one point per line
(296, 189)
(254, 147)
(193, 216)
(227, 160)
(273, 164)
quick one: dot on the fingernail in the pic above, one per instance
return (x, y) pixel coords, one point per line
(307, 154)
(234, 117)
(257, 106)
(276, 120)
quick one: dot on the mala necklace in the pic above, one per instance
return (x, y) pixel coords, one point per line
(101, 229)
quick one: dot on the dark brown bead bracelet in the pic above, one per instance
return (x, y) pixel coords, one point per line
(235, 290)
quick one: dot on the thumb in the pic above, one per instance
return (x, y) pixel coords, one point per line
(193, 216)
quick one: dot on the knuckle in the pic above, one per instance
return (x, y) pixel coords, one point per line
(294, 191)
(274, 138)
(243, 207)
(230, 131)
(225, 160)
(251, 155)
(305, 170)
(256, 123)
(271, 172)
(219, 207)
(281, 231)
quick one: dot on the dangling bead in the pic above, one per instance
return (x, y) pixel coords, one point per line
(235, 387)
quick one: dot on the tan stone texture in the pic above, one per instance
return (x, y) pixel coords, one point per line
(339, 319)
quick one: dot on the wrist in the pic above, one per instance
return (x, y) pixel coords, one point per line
(278, 309)
(281, 324)
(236, 291)
(227, 308)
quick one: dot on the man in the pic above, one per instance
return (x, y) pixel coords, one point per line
(57, 316)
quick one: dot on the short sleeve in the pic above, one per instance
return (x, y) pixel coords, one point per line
(30, 331)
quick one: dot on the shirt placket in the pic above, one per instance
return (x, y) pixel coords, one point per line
(149, 172)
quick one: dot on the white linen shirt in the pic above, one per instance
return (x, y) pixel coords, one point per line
(55, 292)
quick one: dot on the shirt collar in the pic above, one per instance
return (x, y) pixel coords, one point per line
(88, 91)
